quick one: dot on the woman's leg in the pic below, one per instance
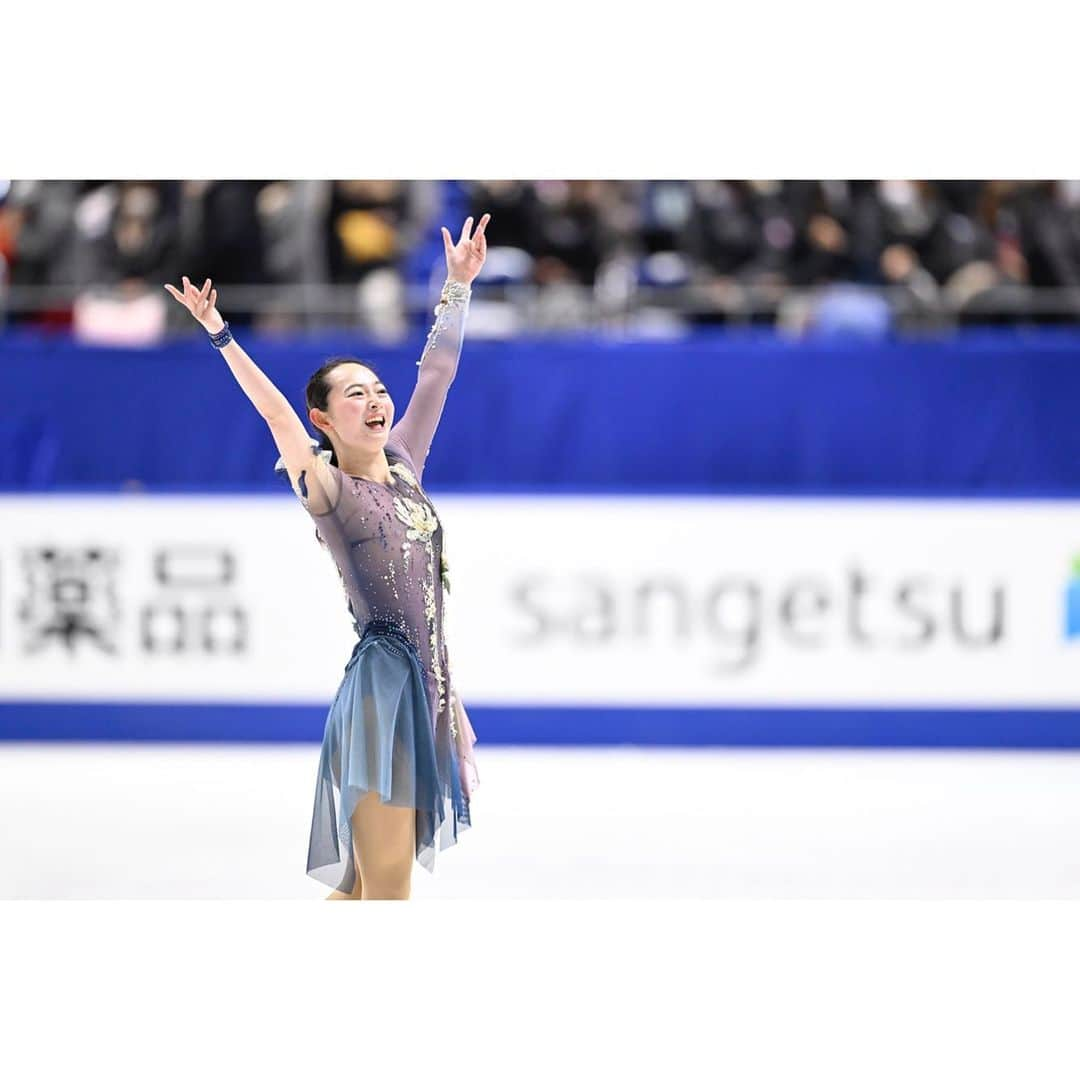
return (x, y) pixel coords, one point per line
(358, 888)
(384, 846)
(356, 894)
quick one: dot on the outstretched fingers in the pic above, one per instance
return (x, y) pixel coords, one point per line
(195, 300)
(202, 300)
(465, 230)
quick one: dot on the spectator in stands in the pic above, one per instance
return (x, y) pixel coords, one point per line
(362, 225)
(910, 210)
(960, 233)
(40, 243)
(287, 213)
(1048, 216)
(368, 225)
(721, 233)
(9, 226)
(571, 229)
(900, 269)
(37, 244)
(777, 232)
(129, 233)
(141, 240)
(514, 204)
(222, 233)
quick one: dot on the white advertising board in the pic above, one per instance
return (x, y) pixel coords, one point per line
(582, 600)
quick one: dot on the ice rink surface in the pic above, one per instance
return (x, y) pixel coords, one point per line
(187, 821)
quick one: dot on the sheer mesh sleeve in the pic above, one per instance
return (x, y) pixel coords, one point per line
(318, 487)
(438, 366)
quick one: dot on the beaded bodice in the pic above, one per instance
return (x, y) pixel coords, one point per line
(387, 544)
(386, 539)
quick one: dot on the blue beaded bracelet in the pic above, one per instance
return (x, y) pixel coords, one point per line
(221, 338)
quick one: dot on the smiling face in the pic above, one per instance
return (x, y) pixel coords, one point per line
(356, 403)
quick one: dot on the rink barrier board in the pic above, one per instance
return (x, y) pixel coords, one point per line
(549, 647)
(967, 410)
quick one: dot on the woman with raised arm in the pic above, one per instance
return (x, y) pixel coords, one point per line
(398, 746)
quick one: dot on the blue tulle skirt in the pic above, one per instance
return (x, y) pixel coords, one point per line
(379, 737)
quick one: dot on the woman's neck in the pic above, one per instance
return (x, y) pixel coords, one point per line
(371, 467)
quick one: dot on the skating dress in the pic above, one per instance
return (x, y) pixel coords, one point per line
(397, 724)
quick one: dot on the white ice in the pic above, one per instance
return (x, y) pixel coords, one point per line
(100, 820)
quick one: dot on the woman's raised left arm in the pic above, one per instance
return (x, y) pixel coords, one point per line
(439, 360)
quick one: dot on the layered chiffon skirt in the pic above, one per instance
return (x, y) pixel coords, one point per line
(379, 737)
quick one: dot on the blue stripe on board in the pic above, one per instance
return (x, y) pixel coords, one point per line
(856, 727)
(973, 495)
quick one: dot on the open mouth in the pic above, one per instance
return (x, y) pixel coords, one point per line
(377, 424)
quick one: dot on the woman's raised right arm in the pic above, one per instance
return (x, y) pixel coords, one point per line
(312, 479)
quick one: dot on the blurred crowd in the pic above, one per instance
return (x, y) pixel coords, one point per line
(563, 253)
(95, 253)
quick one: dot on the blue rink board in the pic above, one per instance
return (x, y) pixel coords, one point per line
(988, 728)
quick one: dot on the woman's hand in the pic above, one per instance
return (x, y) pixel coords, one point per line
(201, 303)
(465, 258)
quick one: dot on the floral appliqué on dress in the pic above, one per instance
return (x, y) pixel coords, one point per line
(418, 517)
(421, 523)
(401, 470)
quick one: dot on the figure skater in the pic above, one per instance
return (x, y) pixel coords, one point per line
(397, 748)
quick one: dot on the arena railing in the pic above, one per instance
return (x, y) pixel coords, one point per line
(312, 306)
